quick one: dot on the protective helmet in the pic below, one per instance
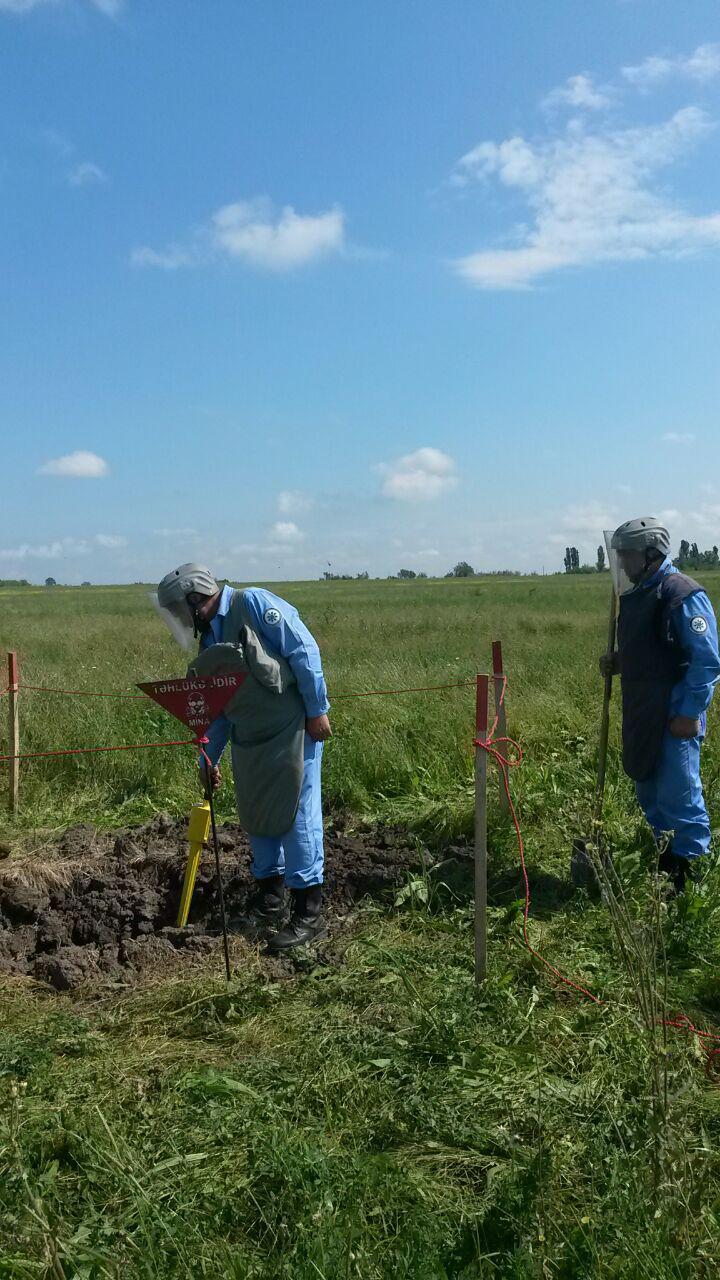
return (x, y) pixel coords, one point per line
(178, 585)
(170, 600)
(645, 533)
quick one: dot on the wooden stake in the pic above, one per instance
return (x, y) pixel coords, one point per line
(481, 729)
(13, 732)
(500, 712)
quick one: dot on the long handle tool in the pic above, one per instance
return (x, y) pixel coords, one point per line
(605, 717)
(216, 847)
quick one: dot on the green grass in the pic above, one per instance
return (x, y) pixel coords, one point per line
(375, 1117)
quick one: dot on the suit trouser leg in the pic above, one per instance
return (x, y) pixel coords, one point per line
(672, 798)
(299, 854)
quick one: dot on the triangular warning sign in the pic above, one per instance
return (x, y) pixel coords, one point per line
(197, 702)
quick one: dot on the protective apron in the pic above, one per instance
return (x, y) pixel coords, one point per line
(267, 718)
(651, 663)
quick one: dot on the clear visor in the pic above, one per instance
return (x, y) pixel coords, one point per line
(621, 582)
(179, 622)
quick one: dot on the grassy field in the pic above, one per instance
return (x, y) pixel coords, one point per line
(377, 1116)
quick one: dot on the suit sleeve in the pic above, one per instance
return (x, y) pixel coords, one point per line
(285, 634)
(696, 630)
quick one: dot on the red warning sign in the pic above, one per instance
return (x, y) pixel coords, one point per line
(197, 702)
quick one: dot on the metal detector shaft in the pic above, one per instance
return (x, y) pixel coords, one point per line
(605, 718)
(221, 897)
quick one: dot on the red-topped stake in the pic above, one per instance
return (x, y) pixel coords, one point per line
(194, 701)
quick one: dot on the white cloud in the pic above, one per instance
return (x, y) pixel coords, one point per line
(286, 533)
(168, 259)
(419, 476)
(588, 517)
(292, 502)
(80, 464)
(678, 437)
(111, 541)
(255, 233)
(591, 197)
(700, 66)
(55, 550)
(580, 92)
(86, 174)
(111, 8)
(175, 533)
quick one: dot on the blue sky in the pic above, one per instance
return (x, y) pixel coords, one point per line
(375, 286)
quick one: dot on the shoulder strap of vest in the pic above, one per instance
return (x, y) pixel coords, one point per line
(675, 588)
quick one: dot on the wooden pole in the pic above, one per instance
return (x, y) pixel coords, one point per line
(481, 729)
(605, 717)
(500, 712)
(13, 732)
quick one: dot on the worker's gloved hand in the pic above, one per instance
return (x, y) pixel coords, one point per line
(215, 779)
(684, 727)
(319, 728)
(609, 664)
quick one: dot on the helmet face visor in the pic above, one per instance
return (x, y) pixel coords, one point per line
(621, 581)
(179, 621)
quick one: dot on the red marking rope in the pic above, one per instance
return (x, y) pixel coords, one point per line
(81, 751)
(505, 763)
(681, 1022)
(79, 693)
(369, 693)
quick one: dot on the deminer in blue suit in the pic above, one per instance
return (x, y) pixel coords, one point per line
(667, 659)
(276, 724)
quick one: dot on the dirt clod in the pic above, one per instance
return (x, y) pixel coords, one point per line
(104, 905)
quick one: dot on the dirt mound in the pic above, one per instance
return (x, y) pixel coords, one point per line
(104, 904)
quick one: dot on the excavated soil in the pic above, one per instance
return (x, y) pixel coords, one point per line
(101, 906)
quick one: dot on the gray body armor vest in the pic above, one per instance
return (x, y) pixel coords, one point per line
(267, 715)
(651, 663)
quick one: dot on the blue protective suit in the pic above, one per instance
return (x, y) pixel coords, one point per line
(672, 797)
(299, 853)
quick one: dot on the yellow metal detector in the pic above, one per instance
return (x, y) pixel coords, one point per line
(198, 832)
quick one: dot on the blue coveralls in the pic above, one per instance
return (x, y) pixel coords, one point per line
(672, 797)
(298, 855)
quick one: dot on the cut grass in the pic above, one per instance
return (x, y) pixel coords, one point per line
(377, 1117)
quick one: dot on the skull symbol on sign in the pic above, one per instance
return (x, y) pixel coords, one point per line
(197, 706)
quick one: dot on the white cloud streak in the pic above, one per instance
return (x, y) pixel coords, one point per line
(292, 502)
(80, 465)
(110, 8)
(578, 92)
(678, 437)
(86, 174)
(255, 233)
(591, 197)
(286, 533)
(110, 541)
(701, 66)
(251, 231)
(418, 477)
(55, 550)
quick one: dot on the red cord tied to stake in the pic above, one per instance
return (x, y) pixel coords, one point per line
(708, 1040)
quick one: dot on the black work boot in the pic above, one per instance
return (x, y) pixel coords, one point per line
(306, 922)
(265, 907)
(678, 869)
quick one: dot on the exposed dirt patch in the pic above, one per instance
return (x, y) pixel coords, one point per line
(103, 905)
